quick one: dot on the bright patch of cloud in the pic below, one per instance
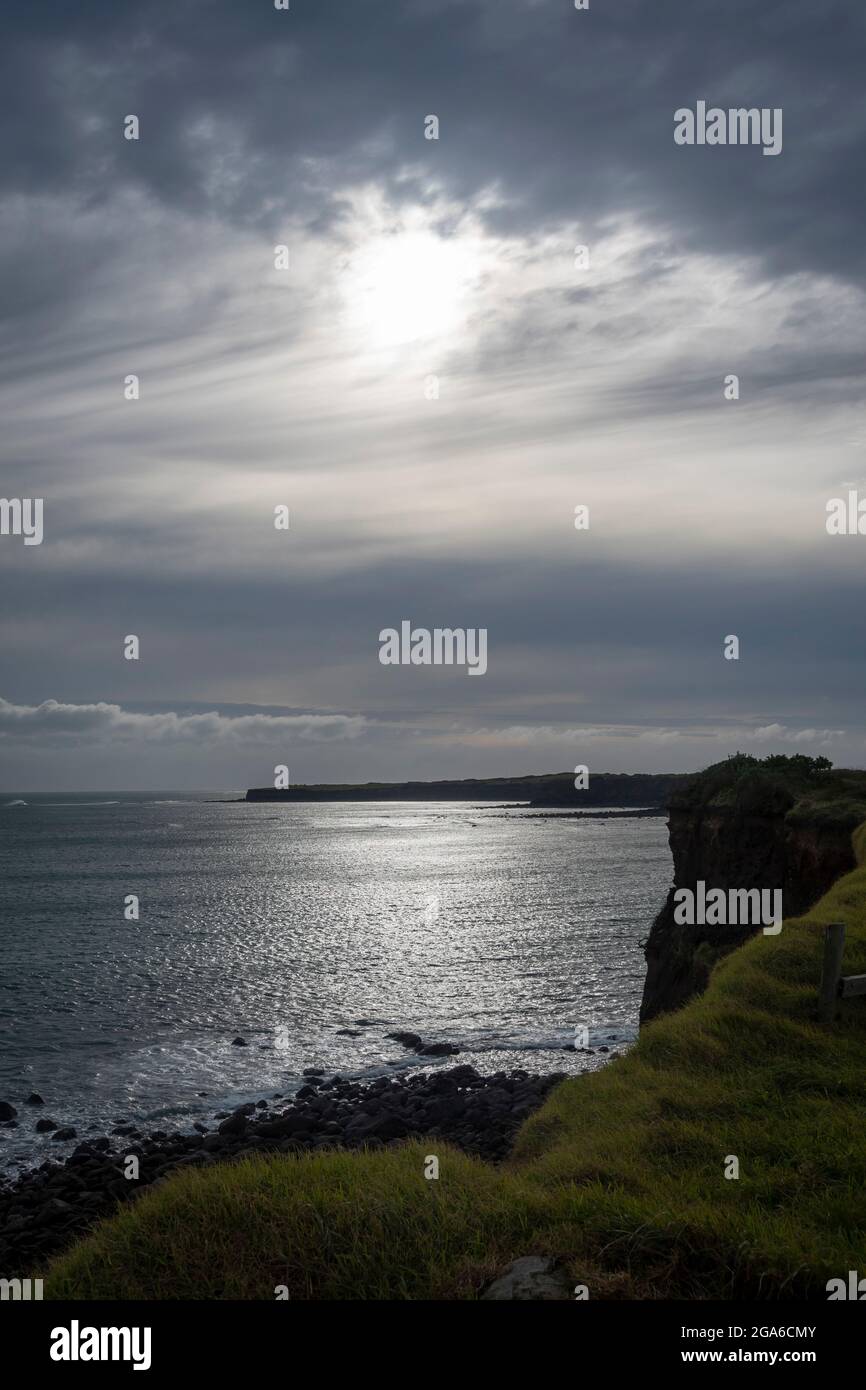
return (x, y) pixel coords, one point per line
(101, 721)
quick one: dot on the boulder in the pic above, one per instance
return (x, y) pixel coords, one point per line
(379, 1127)
(532, 1277)
(407, 1039)
(282, 1128)
(235, 1124)
(55, 1209)
(464, 1074)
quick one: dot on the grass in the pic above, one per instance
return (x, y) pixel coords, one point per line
(620, 1173)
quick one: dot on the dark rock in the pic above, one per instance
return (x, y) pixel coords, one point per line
(34, 1099)
(282, 1128)
(441, 1083)
(313, 1071)
(7, 1111)
(379, 1127)
(239, 1042)
(235, 1124)
(411, 1040)
(464, 1074)
(305, 1092)
(43, 1126)
(530, 1278)
(437, 1050)
(54, 1209)
(68, 1133)
(348, 1033)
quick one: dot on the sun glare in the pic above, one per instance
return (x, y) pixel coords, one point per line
(410, 286)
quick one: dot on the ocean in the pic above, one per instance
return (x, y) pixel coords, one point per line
(310, 931)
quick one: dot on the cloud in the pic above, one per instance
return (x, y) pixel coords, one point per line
(558, 387)
(248, 113)
(777, 733)
(103, 722)
(532, 735)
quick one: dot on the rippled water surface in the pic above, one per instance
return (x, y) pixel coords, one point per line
(286, 924)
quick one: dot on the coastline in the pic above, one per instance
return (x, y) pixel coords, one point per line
(48, 1207)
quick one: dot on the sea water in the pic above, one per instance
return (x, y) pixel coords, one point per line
(310, 931)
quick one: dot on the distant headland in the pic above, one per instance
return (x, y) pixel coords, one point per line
(548, 789)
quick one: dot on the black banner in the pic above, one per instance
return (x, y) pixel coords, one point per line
(159, 1338)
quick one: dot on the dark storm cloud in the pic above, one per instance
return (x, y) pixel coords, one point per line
(257, 114)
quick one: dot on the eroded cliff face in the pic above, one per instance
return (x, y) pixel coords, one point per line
(727, 849)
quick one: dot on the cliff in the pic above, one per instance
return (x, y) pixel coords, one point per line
(745, 825)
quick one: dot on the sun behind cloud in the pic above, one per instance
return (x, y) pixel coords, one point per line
(409, 285)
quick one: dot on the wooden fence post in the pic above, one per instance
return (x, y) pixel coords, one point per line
(834, 945)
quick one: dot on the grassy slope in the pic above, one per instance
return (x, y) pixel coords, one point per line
(620, 1173)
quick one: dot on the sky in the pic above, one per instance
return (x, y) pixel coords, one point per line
(431, 377)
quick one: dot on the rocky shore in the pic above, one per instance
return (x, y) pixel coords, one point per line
(51, 1206)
